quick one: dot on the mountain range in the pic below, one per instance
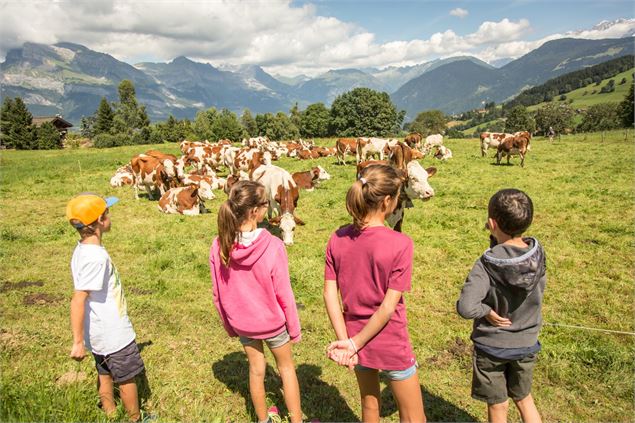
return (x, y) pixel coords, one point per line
(70, 79)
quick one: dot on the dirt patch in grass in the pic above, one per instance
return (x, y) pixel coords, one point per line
(12, 286)
(70, 377)
(457, 350)
(41, 299)
(140, 291)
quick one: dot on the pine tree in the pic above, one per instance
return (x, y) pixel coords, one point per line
(17, 128)
(627, 109)
(103, 118)
(48, 137)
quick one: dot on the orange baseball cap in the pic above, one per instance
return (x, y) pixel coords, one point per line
(87, 207)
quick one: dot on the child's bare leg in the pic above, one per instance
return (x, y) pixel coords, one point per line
(290, 386)
(130, 398)
(105, 388)
(528, 411)
(368, 381)
(257, 367)
(497, 413)
(407, 395)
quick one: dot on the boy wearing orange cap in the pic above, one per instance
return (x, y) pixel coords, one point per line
(99, 319)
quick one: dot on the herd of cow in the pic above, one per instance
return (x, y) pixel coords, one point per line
(164, 176)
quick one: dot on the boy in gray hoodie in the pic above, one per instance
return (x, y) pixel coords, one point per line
(503, 294)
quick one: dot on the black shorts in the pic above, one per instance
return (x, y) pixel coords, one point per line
(122, 365)
(496, 379)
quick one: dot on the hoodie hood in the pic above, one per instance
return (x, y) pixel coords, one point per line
(515, 268)
(246, 256)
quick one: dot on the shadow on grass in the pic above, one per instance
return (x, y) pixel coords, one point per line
(437, 409)
(319, 399)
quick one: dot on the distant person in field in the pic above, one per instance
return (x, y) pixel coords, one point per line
(503, 294)
(551, 133)
(253, 295)
(371, 266)
(99, 319)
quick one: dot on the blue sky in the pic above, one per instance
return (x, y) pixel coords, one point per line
(395, 20)
(288, 37)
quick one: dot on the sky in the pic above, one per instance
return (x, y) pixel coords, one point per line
(310, 37)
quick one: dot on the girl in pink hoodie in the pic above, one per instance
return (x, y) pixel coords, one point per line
(252, 293)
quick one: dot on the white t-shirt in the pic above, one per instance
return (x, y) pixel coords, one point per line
(107, 328)
(247, 238)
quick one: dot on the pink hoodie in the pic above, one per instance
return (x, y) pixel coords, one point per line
(253, 295)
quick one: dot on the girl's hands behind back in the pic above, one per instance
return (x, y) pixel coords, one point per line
(343, 353)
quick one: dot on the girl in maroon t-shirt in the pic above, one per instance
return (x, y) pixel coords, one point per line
(371, 266)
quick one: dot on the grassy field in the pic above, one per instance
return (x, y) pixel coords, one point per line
(582, 97)
(584, 217)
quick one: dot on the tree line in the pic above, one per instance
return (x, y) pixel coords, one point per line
(359, 112)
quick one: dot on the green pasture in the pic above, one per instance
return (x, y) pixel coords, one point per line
(582, 97)
(590, 95)
(583, 195)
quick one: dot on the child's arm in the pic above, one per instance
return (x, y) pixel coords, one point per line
(78, 351)
(470, 304)
(376, 323)
(284, 294)
(334, 309)
(216, 297)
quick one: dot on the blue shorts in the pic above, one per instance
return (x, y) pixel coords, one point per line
(396, 375)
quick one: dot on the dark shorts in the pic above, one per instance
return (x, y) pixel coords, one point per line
(495, 379)
(122, 365)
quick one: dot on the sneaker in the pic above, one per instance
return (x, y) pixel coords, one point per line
(274, 414)
(147, 417)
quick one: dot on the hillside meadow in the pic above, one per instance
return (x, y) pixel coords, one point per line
(580, 98)
(583, 196)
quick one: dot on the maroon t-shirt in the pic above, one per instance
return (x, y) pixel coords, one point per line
(365, 264)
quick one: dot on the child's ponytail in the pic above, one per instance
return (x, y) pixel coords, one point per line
(243, 197)
(368, 192)
(227, 231)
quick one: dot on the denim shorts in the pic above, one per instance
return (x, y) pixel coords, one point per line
(273, 342)
(122, 365)
(395, 375)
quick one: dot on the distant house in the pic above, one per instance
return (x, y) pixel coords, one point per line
(57, 121)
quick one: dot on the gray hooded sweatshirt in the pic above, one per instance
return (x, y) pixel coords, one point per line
(511, 281)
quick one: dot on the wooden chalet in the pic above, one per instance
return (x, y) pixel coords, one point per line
(57, 121)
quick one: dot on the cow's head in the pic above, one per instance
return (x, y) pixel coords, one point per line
(287, 223)
(205, 189)
(322, 174)
(417, 186)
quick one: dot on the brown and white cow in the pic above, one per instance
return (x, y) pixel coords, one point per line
(309, 179)
(491, 140)
(182, 200)
(282, 194)
(210, 156)
(513, 145)
(150, 173)
(345, 146)
(442, 153)
(413, 140)
(306, 154)
(430, 142)
(123, 176)
(244, 160)
(373, 146)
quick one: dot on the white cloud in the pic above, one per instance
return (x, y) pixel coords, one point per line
(283, 38)
(461, 13)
